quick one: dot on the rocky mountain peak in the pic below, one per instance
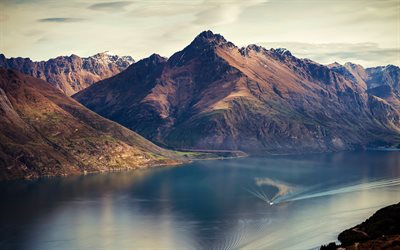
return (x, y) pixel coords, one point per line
(353, 66)
(334, 65)
(102, 55)
(157, 57)
(210, 95)
(106, 55)
(391, 67)
(350, 64)
(251, 47)
(281, 52)
(208, 39)
(153, 59)
(72, 56)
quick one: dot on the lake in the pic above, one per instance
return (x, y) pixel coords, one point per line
(221, 204)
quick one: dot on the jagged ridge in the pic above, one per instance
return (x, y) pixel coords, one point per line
(215, 95)
(72, 73)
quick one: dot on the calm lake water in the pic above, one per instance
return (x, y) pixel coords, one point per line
(206, 204)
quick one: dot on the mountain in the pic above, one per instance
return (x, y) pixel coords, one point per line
(44, 133)
(215, 95)
(72, 73)
(382, 81)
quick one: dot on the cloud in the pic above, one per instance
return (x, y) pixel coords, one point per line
(60, 20)
(366, 54)
(163, 10)
(42, 40)
(223, 12)
(182, 20)
(21, 2)
(206, 12)
(110, 6)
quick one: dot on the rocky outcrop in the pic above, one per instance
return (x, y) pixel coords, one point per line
(214, 95)
(46, 133)
(380, 231)
(72, 73)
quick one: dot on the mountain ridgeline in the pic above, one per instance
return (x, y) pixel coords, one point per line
(215, 95)
(382, 82)
(43, 132)
(72, 73)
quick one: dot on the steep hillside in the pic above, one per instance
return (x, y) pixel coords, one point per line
(382, 82)
(72, 73)
(44, 132)
(215, 95)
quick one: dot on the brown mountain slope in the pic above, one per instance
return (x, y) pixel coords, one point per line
(44, 132)
(215, 95)
(382, 82)
(72, 73)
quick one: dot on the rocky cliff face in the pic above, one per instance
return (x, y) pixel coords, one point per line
(382, 82)
(44, 132)
(72, 73)
(215, 95)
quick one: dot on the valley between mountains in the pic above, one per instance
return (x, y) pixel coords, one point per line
(212, 95)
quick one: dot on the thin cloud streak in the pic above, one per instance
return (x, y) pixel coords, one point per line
(61, 20)
(110, 6)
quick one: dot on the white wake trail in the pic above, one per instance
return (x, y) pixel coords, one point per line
(346, 189)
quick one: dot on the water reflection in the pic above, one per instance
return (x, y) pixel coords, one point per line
(202, 205)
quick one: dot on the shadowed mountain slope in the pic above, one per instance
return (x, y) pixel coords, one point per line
(44, 132)
(215, 95)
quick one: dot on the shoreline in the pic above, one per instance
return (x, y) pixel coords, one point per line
(185, 160)
(380, 231)
(190, 155)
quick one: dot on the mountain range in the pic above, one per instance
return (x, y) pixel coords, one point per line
(72, 73)
(212, 96)
(215, 95)
(43, 132)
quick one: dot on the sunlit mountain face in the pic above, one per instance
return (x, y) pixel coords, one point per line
(70, 74)
(215, 95)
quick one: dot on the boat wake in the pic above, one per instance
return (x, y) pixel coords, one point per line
(346, 189)
(287, 192)
(258, 191)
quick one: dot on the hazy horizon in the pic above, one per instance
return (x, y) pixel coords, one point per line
(363, 32)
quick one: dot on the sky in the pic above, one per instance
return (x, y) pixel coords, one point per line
(361, 31)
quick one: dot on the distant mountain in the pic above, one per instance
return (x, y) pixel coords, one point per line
(44, 132)
(215, 95)
(383, 82)
(72, 73)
